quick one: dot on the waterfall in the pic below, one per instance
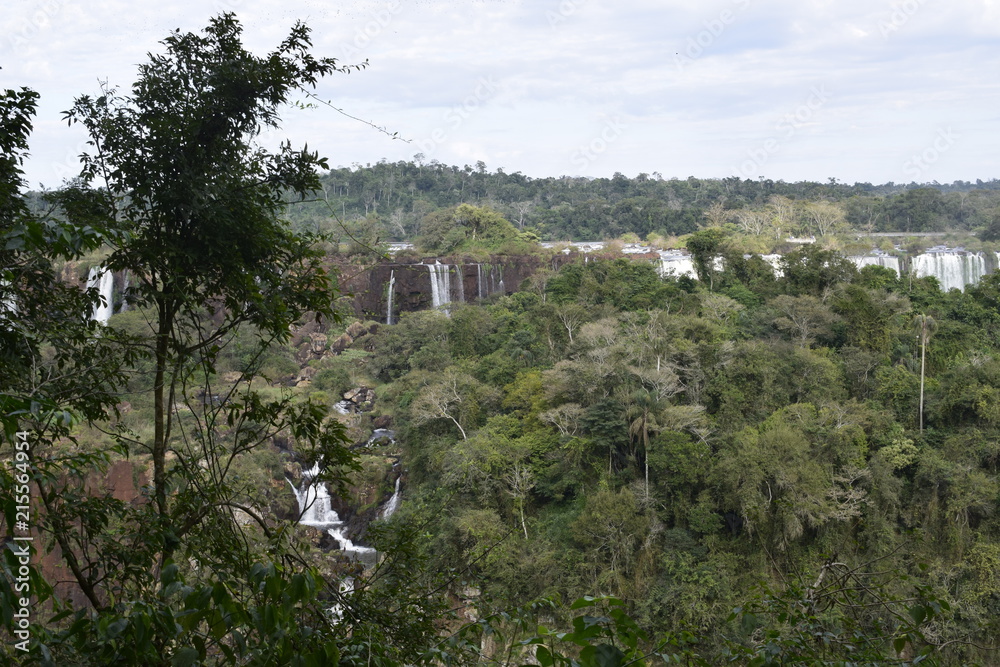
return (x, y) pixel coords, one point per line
(381, 435)
(460, 274)
(440, 284)
(953, 269)
(104, 282)
(315, 511)
(392, 285)
(500, 288)
(888, 261)
(677, 265)
(479, 281)
(393, 504)
(775, 262)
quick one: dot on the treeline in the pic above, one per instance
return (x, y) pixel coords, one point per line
(390, 201)
(692, 451)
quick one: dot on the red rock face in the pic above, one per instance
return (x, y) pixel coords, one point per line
(470, 280)
(120, 482)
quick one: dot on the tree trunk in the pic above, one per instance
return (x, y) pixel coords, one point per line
(923, 357)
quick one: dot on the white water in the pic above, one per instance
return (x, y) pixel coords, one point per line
(953, 270)
(440, 284)
(393, 504)
(677, 265)
(315, 511)
(888, 261)
(392, 285)
(104, 282)
(381, 434)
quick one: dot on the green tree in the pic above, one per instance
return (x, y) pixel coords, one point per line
(706, 246)
(192, 207)
(199, 202)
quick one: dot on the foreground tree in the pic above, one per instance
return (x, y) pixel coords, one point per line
(189, 206)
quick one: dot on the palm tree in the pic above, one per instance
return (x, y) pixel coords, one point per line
(925, 327)
(642, 412)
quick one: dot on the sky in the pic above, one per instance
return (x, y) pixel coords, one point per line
(856, 90)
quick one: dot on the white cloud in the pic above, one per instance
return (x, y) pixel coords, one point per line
(700, 84)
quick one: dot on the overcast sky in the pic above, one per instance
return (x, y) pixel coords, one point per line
(857, 90)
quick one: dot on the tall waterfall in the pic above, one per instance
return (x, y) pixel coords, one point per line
(104, 281)
(461, 283)
(440, 284)
(315, 510)
(393, 504)
(888, 261)
(953, 270)
(392, 285)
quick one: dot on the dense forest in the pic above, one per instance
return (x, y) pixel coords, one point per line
(391, 202)
(602, 467)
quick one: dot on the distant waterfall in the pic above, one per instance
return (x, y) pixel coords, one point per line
(392, 285)
(104, 281)
(489, 280)
(775, 263)
(677, 265)
(393, 504)
(440, 284)
(460, 274)
(953, 270)
(315, 510)
(888, 261)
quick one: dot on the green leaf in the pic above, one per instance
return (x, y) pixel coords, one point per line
(184, 657)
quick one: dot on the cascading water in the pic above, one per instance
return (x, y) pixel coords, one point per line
(393, 504)
(677, 265)
(392, 285)
(440, 284)
(888, 261)
(775, 262)
(104, 282)
(315, 511)
(460, 274)
(953, 269)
